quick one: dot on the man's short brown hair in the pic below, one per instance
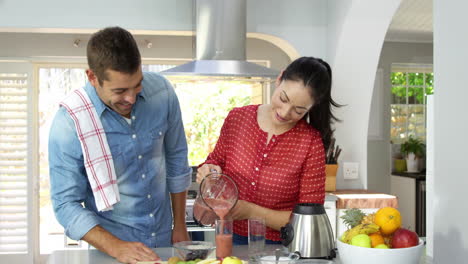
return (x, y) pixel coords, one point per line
(112, 48)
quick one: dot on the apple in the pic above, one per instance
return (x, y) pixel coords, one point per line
(403, 238)
(361, 240)
(231, 260)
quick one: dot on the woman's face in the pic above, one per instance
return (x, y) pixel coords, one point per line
(290, 102)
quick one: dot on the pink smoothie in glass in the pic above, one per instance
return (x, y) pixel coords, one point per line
(223, 245)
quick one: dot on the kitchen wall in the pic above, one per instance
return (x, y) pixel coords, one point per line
(378, 150)
(450, 130)
(89, 14)
(52, 46)
(302, 23)
(357, 33)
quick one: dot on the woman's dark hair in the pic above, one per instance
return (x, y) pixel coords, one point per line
(316, 74)
(112, 48)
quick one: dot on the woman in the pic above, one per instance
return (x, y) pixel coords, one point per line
(275, 156)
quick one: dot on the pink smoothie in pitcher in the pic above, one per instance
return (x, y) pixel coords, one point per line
(223, 245)
(206, 215)
(220, 207)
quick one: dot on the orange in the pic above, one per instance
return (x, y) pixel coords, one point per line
(376, 239)
(389, 220)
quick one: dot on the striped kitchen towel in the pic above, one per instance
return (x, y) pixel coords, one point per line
(97, 156)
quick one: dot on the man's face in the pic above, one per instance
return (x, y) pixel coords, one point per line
(119, 92)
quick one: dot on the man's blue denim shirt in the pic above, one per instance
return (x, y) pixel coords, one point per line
(150, 159)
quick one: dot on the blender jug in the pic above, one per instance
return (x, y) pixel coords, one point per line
(217, 195)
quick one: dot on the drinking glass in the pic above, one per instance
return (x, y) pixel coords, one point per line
(257, 231)
(223, 238)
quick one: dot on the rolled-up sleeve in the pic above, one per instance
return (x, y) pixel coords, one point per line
(68, 181)
(175, 145)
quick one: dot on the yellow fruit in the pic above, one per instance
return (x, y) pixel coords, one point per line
(389, 220)
(368, 219)
(361, 240)
(359, 229)
(231, 260)
(173, 260)
(376, 239)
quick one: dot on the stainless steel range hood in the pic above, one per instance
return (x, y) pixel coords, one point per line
(220, 42)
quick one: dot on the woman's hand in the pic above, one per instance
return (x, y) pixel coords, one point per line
(205, 170)
(242, 210)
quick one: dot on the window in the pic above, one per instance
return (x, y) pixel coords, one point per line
(213, 98)
(15, 163)
(54, 83)
(410, 86)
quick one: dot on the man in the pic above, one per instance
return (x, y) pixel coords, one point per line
(140, 115)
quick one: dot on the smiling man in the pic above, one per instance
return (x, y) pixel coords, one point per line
(118, 155)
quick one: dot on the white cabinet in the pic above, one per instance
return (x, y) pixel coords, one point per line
(404, 189)
(330, 209)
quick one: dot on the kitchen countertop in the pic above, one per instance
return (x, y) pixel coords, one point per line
(330, 197)
(421, 176)
(363, 199)
(92, 256)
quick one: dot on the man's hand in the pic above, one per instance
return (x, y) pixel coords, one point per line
(133, 252)
(205, 170)
(123, 251)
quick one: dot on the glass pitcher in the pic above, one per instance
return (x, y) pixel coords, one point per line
(218, 194)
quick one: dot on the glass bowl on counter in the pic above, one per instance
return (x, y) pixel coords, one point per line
(193, 250)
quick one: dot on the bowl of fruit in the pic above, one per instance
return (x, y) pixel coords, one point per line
(194, 251)
(378, 238)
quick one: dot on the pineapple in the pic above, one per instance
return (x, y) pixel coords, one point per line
(352, 217)
(368, 219)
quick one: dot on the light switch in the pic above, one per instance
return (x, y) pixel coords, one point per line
(350, 170)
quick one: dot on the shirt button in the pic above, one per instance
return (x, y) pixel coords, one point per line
(265, 155)
(256, 168)
(151, 215)
(143, 176)
(253, 183)
(149, 196)
(153, 234)
(160, 133)
(133, 117)
(133, 136)
(139, 157)
(273, 140)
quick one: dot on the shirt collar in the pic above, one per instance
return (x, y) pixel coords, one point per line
(97, 102)
(94, 97)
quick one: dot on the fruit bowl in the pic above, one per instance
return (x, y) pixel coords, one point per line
(349, 254)
(193, 250)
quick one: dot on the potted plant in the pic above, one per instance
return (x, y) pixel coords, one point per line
(413, 149)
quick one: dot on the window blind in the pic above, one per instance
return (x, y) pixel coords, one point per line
(13, 163)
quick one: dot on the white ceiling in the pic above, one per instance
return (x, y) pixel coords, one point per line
(412, 22)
